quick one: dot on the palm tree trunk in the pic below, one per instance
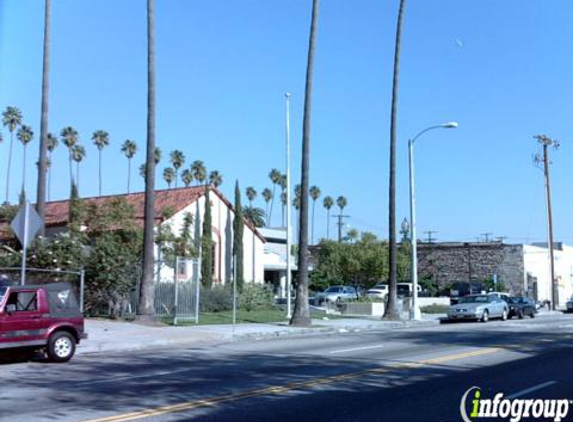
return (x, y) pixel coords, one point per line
(9, 166)
(272, 203)
(70, 165)
(78, 176)
(266, 214)
(301, 314)
(328, 224)
(312, 231)
(49, 177)
(392, 309)
(99, 171)
(282, 213)
(42, 162)
(24, 171)
(128, 174)
(176, 176)
(146, 309)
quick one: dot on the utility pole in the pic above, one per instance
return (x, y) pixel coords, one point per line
(547, 142)
(340, 224)
(430, 234)
(486, 236)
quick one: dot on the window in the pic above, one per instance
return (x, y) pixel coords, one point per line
(24, 301)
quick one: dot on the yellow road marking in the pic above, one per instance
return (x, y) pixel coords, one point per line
(194, 404)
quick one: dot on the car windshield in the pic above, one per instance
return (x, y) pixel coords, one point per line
(333, 290)
(2, 292)
(515, 300)
(474, 299)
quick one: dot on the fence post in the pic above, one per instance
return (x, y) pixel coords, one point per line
(197, 291)
(176, 287)
(82, 287)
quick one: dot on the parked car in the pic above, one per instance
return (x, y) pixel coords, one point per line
(479, 307)
(44, 317)
(336, 294)
(569, 305)
(379, 291)
(521, 307)
(406, 289)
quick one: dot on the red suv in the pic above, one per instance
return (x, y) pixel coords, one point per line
(41, 317)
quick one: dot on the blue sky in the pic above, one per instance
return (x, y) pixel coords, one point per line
(501, 69)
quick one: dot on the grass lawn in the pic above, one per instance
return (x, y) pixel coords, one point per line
(260, 316)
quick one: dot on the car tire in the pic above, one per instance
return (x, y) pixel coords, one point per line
(532, 314)
(520, 314)
(485, 316)
(504, 315)
(61, 346)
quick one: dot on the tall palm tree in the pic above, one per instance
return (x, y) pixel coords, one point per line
(251, 195)
(199, 171)
(101, 140)
(187, 177)
(169, 176)
(146, 309)
(42, 162)
(301, 314)
(275, 177)
(267, 195)
(11, 118)
(283, 203)
(314, 194)
(255, 216)
(78, 154)
(392, 309)
(129, 149)
(177, 159)
(24, 135)
(216, 178)
(52, 144)
(69, 138)
(327, 203)
(342, 202)
(142, 171)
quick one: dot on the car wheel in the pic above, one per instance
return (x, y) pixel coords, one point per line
(504, 315)
(61, 346)
(520, 314)
(485, 316)
(532, 314)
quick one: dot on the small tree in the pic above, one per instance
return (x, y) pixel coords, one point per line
(207, 245)
(238, 237)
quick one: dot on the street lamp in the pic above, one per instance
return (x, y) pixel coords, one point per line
(414, 309)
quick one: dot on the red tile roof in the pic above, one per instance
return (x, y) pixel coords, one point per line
(57, 212)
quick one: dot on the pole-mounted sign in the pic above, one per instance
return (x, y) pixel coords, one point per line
(26, 226)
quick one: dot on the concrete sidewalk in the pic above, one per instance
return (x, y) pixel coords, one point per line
(111, 336)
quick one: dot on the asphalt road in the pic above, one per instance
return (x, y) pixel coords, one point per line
(400, 375)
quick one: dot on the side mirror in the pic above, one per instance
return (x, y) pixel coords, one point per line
(10, 308)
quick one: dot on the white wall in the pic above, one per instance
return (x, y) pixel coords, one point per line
(536, 263)
(222, 234)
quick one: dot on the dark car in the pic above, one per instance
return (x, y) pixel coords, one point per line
(44, 317)
(521, 307)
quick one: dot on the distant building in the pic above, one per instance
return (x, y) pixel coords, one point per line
(522, 268)
(275, 259)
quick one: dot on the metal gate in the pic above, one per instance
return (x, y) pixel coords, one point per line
(177, 291)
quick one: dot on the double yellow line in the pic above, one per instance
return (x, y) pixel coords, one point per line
(210, 402)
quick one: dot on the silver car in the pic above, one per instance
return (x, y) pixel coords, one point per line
(479, 307)
(336, 294)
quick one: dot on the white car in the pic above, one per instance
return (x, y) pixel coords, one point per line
(336, 294)
(378, 292)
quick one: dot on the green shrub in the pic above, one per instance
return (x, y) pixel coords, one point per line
(256, 297)
(216, 299)
(435, 309)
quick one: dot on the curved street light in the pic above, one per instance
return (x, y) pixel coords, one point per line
(415, 313)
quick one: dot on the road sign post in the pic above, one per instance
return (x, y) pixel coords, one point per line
(26, 225)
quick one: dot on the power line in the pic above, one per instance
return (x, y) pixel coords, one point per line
(430, 234)
(340, 224)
